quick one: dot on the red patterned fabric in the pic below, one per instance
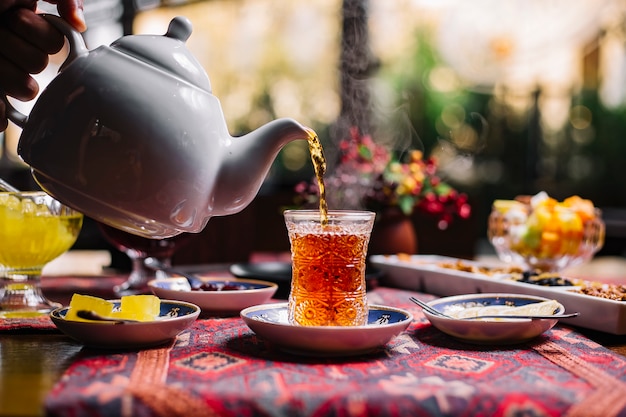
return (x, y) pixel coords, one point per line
(221, 368)
(30, 324)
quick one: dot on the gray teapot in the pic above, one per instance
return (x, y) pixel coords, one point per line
(132, 136)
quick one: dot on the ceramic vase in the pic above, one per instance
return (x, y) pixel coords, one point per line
(393, 233)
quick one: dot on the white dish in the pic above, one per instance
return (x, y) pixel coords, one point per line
(422, 273)
(254, 292)
(501, 331)
(174, 317)
(271, 323)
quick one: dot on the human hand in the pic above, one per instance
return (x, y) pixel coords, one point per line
(26, 41)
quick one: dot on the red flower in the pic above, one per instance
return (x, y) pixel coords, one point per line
(381, 180)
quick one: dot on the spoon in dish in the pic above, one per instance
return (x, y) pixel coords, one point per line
(156, 265)
(428, 308)
(438, 313)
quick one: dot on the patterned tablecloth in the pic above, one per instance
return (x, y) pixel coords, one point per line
(219, 367)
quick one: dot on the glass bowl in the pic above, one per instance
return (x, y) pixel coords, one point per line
(34, 229)
(544, 239)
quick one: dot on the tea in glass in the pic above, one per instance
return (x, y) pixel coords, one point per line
(328, 260)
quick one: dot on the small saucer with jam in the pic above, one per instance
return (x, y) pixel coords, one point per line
(216, 295)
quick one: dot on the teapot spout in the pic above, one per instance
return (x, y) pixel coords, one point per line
(248, 159)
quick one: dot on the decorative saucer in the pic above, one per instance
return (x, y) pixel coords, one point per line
(249, 292)
(271, 322)
(174, 317)
(498, 331)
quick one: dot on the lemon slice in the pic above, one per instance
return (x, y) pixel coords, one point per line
(134, 307)
(87, 302)
(138, 307)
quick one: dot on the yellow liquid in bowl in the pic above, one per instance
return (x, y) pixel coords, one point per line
(31, 236)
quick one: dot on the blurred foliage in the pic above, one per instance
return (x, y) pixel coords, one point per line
(512, 151)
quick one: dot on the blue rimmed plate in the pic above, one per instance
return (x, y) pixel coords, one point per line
(271, 322)
(501, 331)
(250, 292)
(174, 317)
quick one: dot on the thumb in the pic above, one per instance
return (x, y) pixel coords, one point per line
(72, 12)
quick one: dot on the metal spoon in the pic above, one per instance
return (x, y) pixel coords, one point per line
(156, 265)
(436, 312)
(428, 308)
(92, 315)
(6, 187)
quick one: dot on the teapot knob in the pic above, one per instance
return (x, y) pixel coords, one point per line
(179, 28)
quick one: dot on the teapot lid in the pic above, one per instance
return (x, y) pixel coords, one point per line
(167, 52)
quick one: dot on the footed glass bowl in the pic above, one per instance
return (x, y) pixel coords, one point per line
(545, 242)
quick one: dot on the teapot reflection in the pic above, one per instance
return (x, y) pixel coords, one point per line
(132, 136)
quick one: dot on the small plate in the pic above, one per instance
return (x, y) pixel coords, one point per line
(489, 332)
(271, 323)
(254, 292)
(174, 317)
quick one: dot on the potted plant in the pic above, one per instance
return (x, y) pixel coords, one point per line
(370, 176)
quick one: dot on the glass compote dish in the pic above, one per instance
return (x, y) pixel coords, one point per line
(138, 249)
(34, 229)
(544, 235)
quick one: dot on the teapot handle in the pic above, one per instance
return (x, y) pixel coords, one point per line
(77, 49)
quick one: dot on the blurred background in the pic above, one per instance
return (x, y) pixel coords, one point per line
(512, 97)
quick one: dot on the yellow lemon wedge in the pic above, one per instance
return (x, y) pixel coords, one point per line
(138, 307)
(87, 302)
(133, 307)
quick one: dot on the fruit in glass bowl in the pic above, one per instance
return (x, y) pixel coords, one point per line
(542, 234)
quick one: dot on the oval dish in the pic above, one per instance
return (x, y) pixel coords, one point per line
(489, 331)
(174, 317)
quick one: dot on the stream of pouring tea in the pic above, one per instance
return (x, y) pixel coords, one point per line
(319, 165)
